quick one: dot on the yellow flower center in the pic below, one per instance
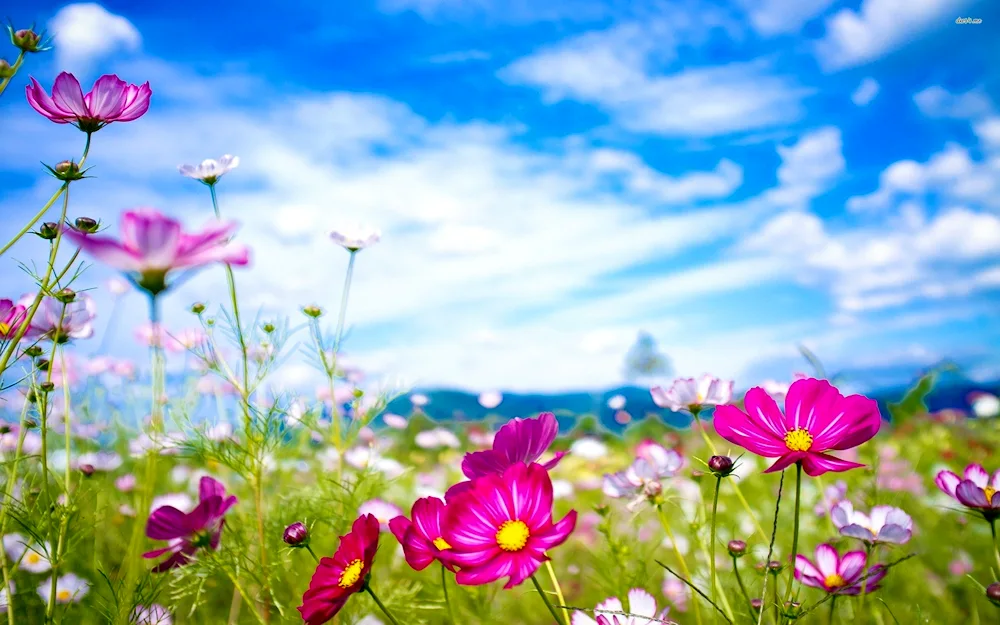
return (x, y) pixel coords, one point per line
(799, 440)
(441, 543)
(834, 581)
(63, 595)
(512, 535)
(33, 558)
(4, 328)
(351, 574)
(989, 491)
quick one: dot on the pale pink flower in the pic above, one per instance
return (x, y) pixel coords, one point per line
(210, 170)
(111, 100)
(690, 394)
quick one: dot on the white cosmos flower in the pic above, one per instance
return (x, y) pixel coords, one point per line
(31, 555)
(381, 510)
(210, 170)
(588, 448)
(69, 588)
(616, 402)
(356, 237)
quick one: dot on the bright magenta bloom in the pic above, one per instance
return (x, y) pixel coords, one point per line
(153, 244)
(422, 537)
(11, 318)
(187, 533)
(976, 489)
(346, 573)
(519, 440)
(111, 100)
(502, 526)
(838, 575)
(817, 418)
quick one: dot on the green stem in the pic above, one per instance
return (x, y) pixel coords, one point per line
(13, 71)
(864, 575)
(313, 554)
(246, 599)
(680, 558)
(833, 608)
(715, 512)
(342, 317)
(743, 589)
(447, 601)
(996, 547)
(385, 611)
(736, 489)
(9, 495)
(795, 530)
(559, 592)
(51, 604)
(545, 598)
(64, 521)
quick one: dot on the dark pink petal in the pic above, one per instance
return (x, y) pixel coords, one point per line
(525, 440)
(491, 571)
(807, 573)
(156, 553)
(480, 463)
(427, 513)
(548, 466)
(810, 404)
(475, 558)
(398, 527)
(419, 553)
(851, 566)
(976, 474)
(968, 494)
(531, 494)
(209, 487)
(68, 96)
(556, 534)
(136, 103)
(107, 98)
(763, 412)
(735, 426)
(818, 464)
(106, 250)
(786, 461)
(856, 421)
(167, 523)
(457, 489)
(947, 482)
(41, 102)
(524, 563)
(204, 514)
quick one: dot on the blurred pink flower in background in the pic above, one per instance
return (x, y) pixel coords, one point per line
(55, 320)
(149, 334)
(490, 399)
(831, 496)
(117, 287)
(778, 390)
(690, 394)
(11, 318)
(962, 565)
(676, 593)
(110, 100)
(382, 510)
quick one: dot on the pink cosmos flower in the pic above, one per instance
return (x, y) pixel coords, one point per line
(111, 100)
(643, 479)
(60, 322)
(817, 418)
(978, 490)
(382, 510)
(201, 528)
(11, 318)
(502, 526)
(520, 440)
(690, 394)
(422, 537)
(838, 575)
(149, 333)
(886, 524)
(339, 577)
(832, 495)
(641, 605)
(152, 245)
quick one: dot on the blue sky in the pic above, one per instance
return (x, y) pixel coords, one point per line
(552, 178)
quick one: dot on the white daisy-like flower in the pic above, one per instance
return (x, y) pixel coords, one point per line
(394, 421)
(419, 399)
(490, 399)
(616, 402)
(5, 593)
(31, 555)
(69, 589)
(436, 439)
(356, 237)
(210, 170)
(588, 448)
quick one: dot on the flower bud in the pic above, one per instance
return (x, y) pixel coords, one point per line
(993, 593)
(86, 224)
(4, 429)
(31, 397)
(33, 352)
(774, 567)
(312, 311)
(296, 535)
(66, 296)
(30, 423)
(66, 171)
(87, 469)
(49, 230)
(268, 327)
(793, 609)
(358, 393)
(47, 387)
(721, 466)
(26, 39)
(197, 308)
(756, 604)
(6, 71)
(42, 364)
(737, 548)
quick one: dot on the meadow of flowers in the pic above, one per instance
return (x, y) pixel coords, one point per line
(787, 503)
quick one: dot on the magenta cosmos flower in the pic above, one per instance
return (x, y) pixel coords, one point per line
(502, 526)
(519, 440)
(817, 419)
(422, 536)
(59, 322)
(838, 575)
(976, 489)
(201, 528)
(11, 318)
(346, 573)
(111, 100)
(152, 245)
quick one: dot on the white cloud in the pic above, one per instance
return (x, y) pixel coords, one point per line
(988, 132)
(950, 174)
(880, 26)
(87, 32)
(614, 69)
(865, 92)
(936, 101)
(774, 17)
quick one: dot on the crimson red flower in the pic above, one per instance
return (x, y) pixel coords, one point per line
(422, 537)
(346, 573)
